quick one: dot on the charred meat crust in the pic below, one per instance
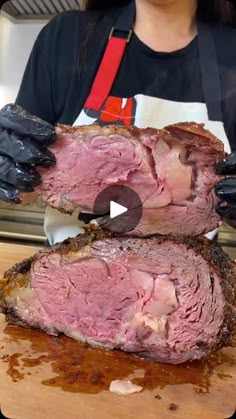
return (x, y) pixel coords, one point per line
(217, 259)
(95, 129)
(17, 277)
(191, 130)
(180, 131)
(12, 318)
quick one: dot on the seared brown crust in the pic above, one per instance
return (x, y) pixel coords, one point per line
(217, 259)
(95, 129)
(184, 130)
(191, 130)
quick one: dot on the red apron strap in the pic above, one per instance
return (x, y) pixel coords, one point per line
(107, 71)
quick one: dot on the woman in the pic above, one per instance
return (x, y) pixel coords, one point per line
(144, 63)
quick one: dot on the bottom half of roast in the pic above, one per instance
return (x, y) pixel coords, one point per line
(169, 299)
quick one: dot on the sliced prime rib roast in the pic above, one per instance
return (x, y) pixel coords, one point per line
(172, 170)
(170, 299)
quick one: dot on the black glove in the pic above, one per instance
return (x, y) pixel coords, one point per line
(226, 189)
(23, 141)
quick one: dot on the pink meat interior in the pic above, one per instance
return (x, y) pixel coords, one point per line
(162, 300)
(175, 186)
(153, 169)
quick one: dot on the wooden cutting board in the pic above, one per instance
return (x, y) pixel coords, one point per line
(42, 377)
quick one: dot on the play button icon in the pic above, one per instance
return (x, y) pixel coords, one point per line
(116, 209)
(120, 209)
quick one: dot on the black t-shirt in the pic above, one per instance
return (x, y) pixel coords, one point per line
(68, 51)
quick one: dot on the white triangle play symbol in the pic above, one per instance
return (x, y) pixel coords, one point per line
(116, 209)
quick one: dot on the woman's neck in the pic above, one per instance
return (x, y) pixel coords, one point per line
(166, 25)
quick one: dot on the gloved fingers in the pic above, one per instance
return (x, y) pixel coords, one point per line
(227, 166)
(9, 193)
(24, 150)
(23, 177)
(228, 213)
(14, 118)
(226, 189)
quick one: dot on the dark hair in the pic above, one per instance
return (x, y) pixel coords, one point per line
(210, 10)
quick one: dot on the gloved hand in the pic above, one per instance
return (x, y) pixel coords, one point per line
(226, 189)
(23, 141)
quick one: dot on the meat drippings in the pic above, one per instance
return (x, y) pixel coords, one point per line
(78, 368)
